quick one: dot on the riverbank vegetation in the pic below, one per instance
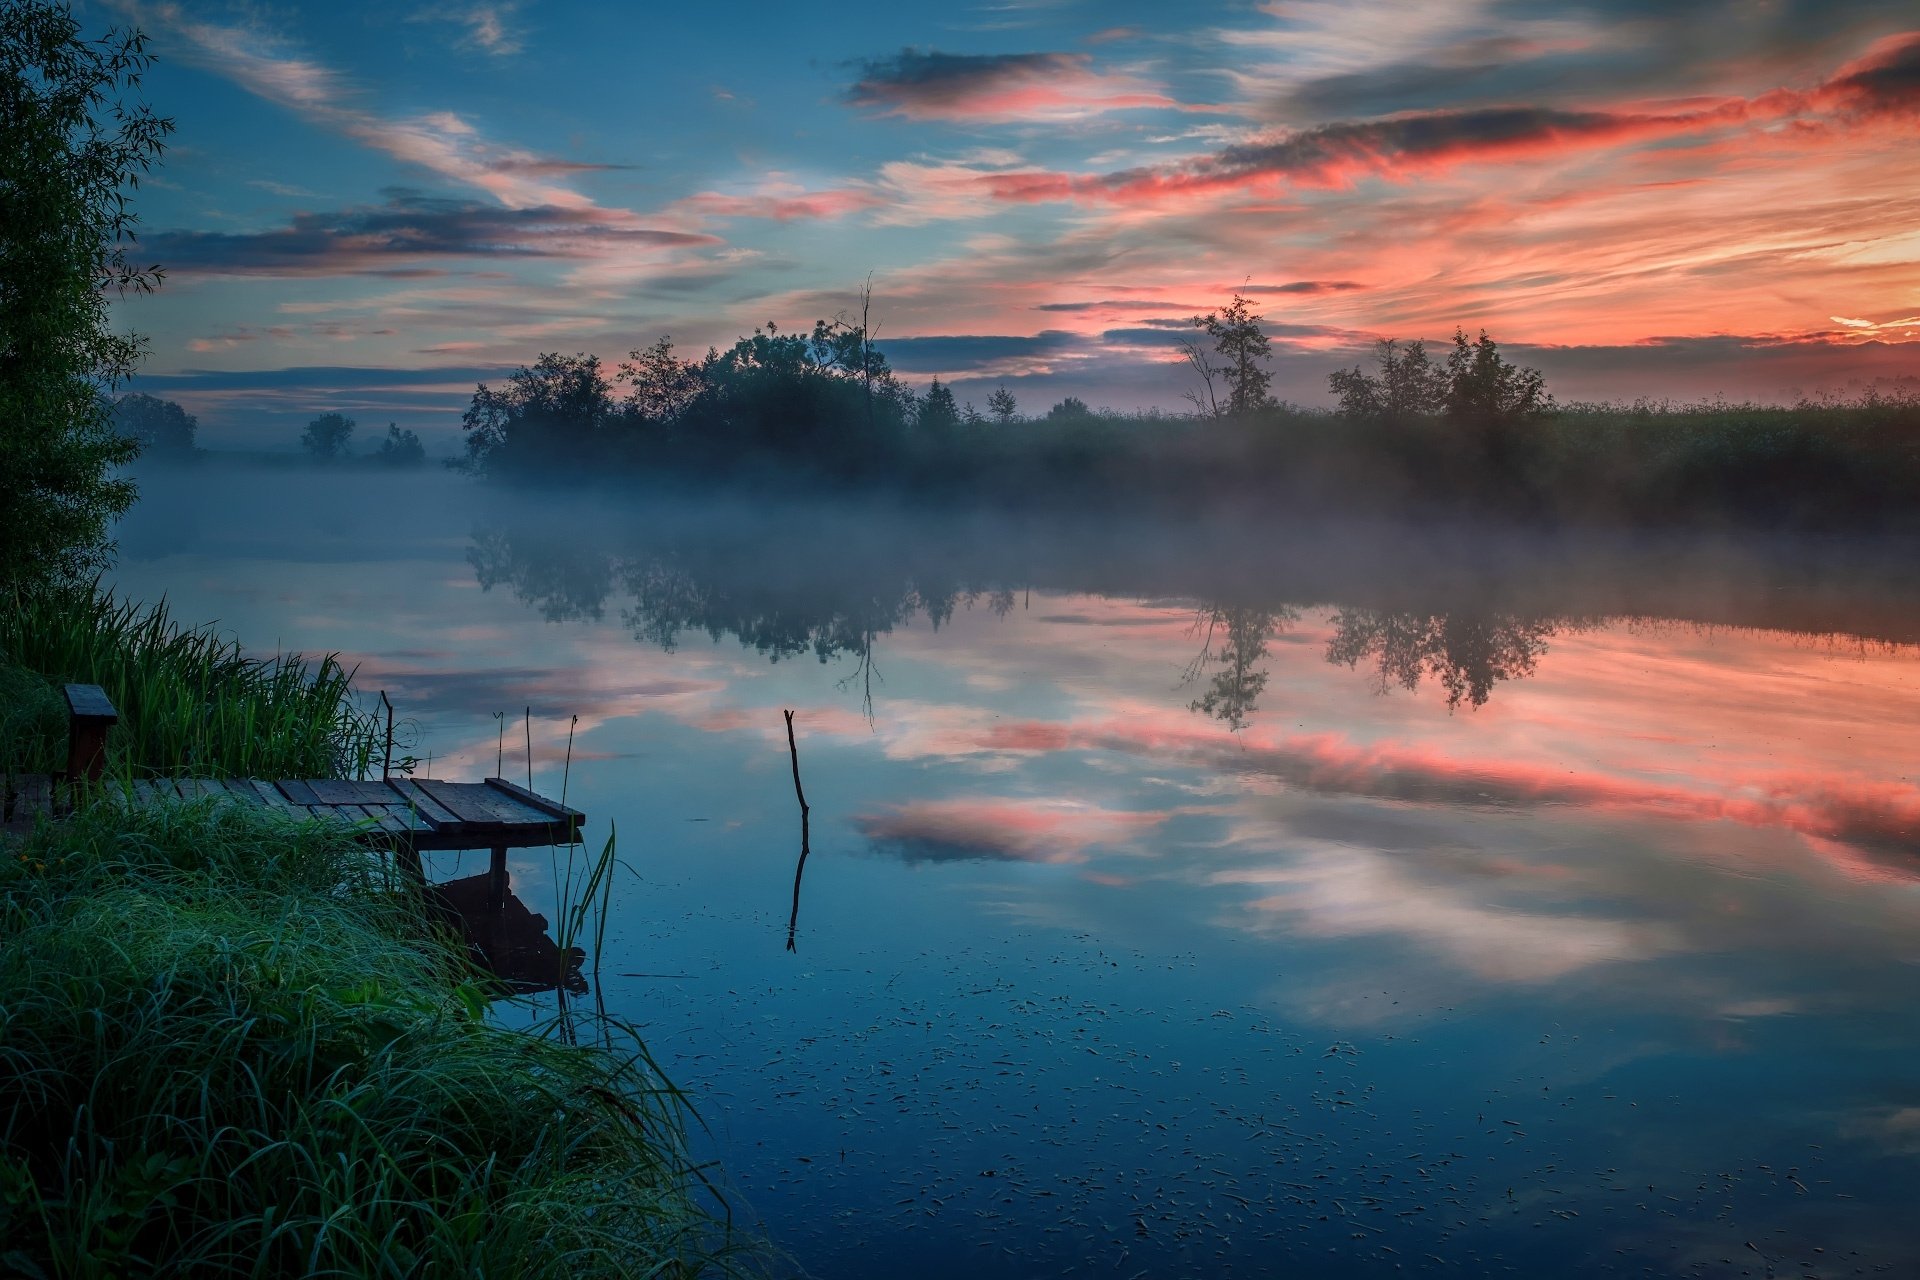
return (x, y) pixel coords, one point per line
(231, 1048)
(232, 1043)
(1468, 434)
(192, 702)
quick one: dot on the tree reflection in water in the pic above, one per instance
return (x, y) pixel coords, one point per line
(1468, 653)
(1233, 692)
(787, 600)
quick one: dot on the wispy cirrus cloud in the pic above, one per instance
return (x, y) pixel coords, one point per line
(997, 87)
(443, 142)
(491, 27)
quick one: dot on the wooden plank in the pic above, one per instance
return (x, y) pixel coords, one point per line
(33, 794)
(89, 702)
(552, 808)
(411, 792)
(397, 821)
(297, 791)
(371, 791)
(267, 796)
(476, 803)
(335, 790)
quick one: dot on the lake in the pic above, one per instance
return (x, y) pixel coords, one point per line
(1212, 899)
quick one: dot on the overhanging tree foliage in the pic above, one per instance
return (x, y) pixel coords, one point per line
(73, 144)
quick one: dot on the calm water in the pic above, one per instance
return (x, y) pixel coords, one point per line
(1188, 902)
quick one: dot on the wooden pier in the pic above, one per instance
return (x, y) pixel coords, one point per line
(408, 815)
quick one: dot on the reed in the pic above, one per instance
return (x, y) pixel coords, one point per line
(228, 1049)
(191, 701)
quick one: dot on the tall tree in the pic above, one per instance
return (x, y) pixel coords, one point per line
(73, 143)
(1002, 406)
(158, 426)
(1243, 345)
(1483, 389)
(1409, 386)
(327, 437)
(939, 415)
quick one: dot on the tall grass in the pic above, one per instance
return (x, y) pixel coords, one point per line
(227, 1050)
(191, 702)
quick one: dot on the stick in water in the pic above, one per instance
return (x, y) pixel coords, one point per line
(529, 748)
(800, 868)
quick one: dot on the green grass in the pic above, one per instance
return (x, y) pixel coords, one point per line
(227, 1048)
(191, 702)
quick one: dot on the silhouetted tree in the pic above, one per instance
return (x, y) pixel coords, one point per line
(327, 437)
(551, 416)
(662, 386)
(72, 145)
(400, 448)
(1002, 406)
(160, 426)
(1409, 386)
(1204, 398)
(1068, 410)
(1244, 346)
(1484, 390)
(938, 415)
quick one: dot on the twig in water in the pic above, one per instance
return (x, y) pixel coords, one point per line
(800, 868)
(386, 760)
(566, 769)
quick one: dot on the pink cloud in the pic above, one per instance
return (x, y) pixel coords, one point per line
(1053, 831)
(997, 87)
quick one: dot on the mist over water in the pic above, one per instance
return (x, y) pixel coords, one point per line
(1229, 897)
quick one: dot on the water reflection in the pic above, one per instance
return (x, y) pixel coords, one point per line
(1243, 633)
(511, 944)
(837, 602)
(1331, 984)
(1468, 653)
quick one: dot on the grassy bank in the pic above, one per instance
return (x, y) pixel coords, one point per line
(230, 1045)
(191, 702)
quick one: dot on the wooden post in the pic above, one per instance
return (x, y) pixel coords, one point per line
(497, 881)
(89, 716)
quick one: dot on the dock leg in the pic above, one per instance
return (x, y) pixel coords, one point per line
(497, 882)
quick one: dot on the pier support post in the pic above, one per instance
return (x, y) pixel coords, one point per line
(497, 881)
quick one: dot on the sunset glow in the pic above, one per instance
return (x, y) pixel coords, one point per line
(370, 208)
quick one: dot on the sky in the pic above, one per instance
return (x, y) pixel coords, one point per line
(369, 208)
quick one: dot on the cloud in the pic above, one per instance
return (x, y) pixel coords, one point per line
(1864, 812)
(439, 141)
(999, 830)
(411, 228)
(995, 87)
(1304, 287)
(1883, 84)
(782, 202)
(1885, 81)
(490, 27)
(1341, 891)
(957, 352)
